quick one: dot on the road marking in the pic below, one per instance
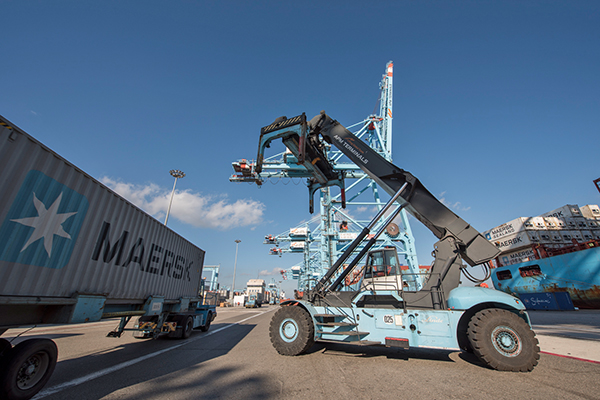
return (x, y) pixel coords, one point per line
(98, 374)
(571, 357)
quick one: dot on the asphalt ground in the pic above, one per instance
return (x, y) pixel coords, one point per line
(235, 359)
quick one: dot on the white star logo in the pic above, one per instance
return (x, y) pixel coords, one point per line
(47, 224)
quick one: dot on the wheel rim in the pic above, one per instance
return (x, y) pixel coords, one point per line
(32, 370)
(288, 330)
(506, 341)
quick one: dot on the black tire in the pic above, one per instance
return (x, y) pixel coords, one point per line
(292, 331)
(187, 327)
(208, 321)
(503, 340)
(465, 344)
(462, 335)
(27, 369)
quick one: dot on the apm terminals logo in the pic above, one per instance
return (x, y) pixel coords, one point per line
(43, 223)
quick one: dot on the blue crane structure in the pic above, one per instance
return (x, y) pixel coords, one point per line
(324, 237)
(211, 275)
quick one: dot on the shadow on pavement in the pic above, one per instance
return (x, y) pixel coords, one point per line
(174, 371)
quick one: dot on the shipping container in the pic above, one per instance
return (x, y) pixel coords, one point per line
(300, 232)
(516, 241)
(348, 235)
(516, 257)
(554, 223)
(509, 228)
(577, 236)
(72, 251)
(593, 223)
(63, 233)
(566, 211)
(587, 236)
(519, 225)
(576, 223)
(591, 211)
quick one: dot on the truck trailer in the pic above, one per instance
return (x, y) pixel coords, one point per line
(73, 251)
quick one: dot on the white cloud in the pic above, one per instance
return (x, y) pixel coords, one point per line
(456, 206)
(193, 208)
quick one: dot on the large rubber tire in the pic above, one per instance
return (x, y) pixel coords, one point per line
(292, 331)
(27, 369)
(208, 321)
(187, 327)
(465, 344)
(503, 340)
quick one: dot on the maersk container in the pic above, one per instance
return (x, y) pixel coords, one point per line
(575, 234)
(72, 250)
(566, 211)
(516, 257)
(587, 236)
(64, 233)
(507, 229)
(590, 211)
(515, 226)
(593, 223)
(519, 240)
(554, 223)
(576, 223)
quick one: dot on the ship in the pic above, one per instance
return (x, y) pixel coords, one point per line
(556, 252)
(573, 269)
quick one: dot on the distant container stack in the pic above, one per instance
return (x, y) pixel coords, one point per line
(544, 254)
(556, 229)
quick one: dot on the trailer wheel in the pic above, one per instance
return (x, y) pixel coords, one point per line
(503, 340)
(292, 331)
(188, 327)
(205, 327)
(28, 368)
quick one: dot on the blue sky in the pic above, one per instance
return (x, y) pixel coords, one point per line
(496, 103)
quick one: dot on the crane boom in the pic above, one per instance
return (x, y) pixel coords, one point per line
(306, 139)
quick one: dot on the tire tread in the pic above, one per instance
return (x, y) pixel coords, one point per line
(480, 328)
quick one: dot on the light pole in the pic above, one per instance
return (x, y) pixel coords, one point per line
(237, 242)
(175, 173)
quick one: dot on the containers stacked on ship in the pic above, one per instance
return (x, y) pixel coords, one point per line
(73, 251)
(558, 251)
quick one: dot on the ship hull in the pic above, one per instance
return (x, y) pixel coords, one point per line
(577, 273)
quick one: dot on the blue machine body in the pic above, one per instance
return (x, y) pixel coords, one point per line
(425, 328)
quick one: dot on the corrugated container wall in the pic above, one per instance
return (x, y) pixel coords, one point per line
(591, 211)
(63, 232)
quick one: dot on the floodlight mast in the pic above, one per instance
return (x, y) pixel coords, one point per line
(175, 173)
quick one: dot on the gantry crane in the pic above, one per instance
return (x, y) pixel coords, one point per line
(341, 217)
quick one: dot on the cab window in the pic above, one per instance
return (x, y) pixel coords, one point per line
(382, 263)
